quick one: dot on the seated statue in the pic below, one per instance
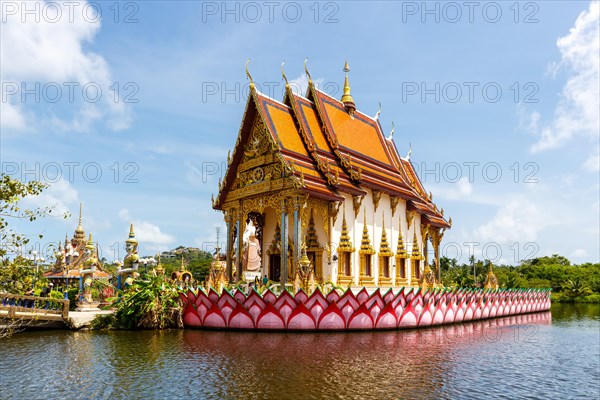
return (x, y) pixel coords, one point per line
(251, 260)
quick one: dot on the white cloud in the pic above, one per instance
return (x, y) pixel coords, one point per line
(60, 195)
(579, 253)
(53, 52)
(12, 116)
(592, 164)
(300, 84)
(464, 191)
(577, 111)
(124, 215)
(457, 191)
(148, 234)
(519, 220)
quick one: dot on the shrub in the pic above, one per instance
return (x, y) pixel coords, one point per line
(152, 304)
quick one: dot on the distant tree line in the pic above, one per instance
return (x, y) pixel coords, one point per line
(569, 283)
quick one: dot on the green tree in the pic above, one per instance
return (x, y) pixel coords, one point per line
(574, 288)
(15, 276)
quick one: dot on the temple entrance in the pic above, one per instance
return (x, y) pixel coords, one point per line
(275, 267)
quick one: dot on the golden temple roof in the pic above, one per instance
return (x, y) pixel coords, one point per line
(332, 150)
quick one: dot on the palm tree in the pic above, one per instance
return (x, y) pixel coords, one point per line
(511, 280)
(575, 288)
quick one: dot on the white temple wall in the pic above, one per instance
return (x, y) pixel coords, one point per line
(374, 219)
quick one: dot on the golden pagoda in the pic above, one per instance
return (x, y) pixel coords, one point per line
(491, 282)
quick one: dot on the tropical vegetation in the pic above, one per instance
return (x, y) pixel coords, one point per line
(569, 283)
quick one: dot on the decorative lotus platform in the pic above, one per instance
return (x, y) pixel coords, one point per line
(406, 308)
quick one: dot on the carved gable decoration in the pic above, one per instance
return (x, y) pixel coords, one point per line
(262, 168)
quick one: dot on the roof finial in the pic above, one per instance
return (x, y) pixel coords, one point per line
(376, 117)
(347, 97)
(248, 74)
(391, 137)
(306, 70)
(409, 152)
(287, 84)
(79, 232)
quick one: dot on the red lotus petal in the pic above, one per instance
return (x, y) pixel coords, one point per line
(270, 318)
(302, 319)
(240, 318)
(214, 318)
(332, 318)
(387, 318)
(361, 319)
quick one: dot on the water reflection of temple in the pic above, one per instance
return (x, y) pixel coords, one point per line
(315, 169)
(346, 365)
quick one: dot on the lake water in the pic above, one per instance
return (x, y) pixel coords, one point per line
(545, 355)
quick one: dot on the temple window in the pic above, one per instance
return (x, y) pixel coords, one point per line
(386, 266)
(402, 268)
(345, 251)
(346, 264)
(366, 258)
(367, 264)
(314, 251)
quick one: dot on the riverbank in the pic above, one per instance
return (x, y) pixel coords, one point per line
(562, 298)
(83, 319)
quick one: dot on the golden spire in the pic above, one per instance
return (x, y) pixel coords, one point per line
(131, 238)
(347, 97)
(79, 232)
(345, 243)
(90, 243)
(400, 249)
(416, 253)
(248, 75)
(80, 212)
(365, 244)
(287, 84)
(312, 241)
(182, 268)
(159, 268)
(306, 71)
(384, 248)
(491, 282)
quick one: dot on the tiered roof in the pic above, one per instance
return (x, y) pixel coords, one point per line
(332, 149)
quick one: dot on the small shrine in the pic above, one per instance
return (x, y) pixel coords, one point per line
(182, 276)
(158, 270)
(491, 282)
(217, 278)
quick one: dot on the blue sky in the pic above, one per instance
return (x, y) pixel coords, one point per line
(502, 87)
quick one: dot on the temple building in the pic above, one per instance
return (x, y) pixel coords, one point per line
(70, 257)
(315, 170)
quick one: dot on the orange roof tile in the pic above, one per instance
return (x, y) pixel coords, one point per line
(318, 134)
